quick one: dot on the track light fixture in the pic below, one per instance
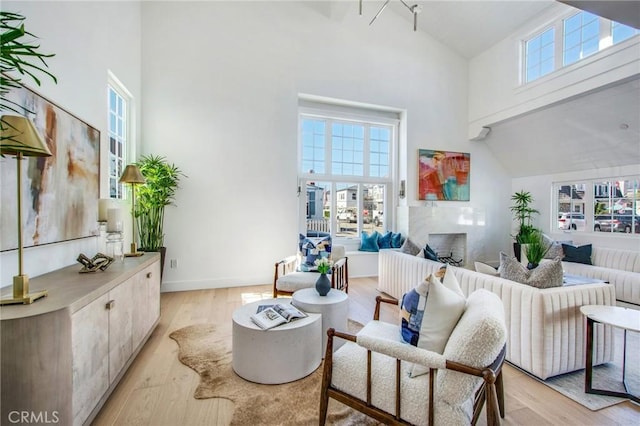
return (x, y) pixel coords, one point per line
(415, 9)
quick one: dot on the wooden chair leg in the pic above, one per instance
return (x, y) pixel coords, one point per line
(326, 378)
(500, 392)
(493, 418)
(275, 280)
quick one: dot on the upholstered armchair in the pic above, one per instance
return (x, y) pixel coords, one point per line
(287, 277)
(370, 371)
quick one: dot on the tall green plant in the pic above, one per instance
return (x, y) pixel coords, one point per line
(523, 213)
(18, 58)
(162, 181)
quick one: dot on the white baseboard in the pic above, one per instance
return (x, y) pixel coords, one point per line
(211, 284)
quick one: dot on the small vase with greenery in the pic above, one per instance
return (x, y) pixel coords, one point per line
(523, 213)
(162, 181)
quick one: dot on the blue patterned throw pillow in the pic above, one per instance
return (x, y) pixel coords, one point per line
(311, 249)
(412, 311)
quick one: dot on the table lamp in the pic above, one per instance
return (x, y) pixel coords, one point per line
(133, 176)
(21, 139)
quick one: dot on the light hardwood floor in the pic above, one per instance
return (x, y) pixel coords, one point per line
(158, 390)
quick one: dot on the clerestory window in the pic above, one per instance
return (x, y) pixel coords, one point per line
(569, 40)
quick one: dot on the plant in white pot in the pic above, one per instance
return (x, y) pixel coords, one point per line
(161, 183)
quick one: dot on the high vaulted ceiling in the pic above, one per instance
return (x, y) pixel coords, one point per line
(468, 27)
(594, 130)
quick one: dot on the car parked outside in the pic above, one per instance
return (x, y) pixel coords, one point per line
(597, 220)
(347, 215)
(574, 221)
(619, 223)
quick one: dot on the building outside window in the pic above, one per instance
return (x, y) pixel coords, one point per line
(346, 166)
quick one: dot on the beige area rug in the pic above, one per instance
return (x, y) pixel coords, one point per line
(206, 349)
(606, 376)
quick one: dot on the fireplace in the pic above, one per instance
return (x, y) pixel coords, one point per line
(450, 247)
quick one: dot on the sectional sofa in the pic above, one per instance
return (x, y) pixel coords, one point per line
(618, 267)
(545, 329)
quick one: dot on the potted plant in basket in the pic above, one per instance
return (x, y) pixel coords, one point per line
(523, 213)
(162, 181)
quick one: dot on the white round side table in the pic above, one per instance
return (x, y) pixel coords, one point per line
(282, 354)
(334, 308)
(616, 316)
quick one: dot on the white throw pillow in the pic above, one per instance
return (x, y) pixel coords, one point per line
(486, 269)
(445, 305)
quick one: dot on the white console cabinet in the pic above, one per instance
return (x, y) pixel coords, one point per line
(63, 355)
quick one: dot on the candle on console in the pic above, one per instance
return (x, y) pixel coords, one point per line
(103, 206)
(114, 220)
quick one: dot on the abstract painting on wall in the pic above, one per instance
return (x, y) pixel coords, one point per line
(60, 193)
(443, 175)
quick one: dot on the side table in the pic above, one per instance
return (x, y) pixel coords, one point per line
(624, 318)
(281, 354)
(334, 308)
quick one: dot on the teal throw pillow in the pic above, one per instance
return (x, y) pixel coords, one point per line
(396, 240)
(384, 241)
(369, 242)
(430, 253)
(575, 254)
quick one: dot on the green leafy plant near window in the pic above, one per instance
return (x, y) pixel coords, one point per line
(523, 213)
(158, 192)
(18, 58)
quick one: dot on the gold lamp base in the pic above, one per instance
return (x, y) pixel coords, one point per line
(21, 293)
(134, 251)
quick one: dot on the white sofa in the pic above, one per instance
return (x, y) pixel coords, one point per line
(545, 329)
(618, 267)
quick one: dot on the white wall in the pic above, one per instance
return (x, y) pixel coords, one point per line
(542, 192)
(496, 92)
(220, 90)
(88, 38)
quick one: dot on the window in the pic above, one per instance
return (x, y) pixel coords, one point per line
(581, 37)
(570, 40)
(615, 206)
(540, 55)
(346, 168)
(119, 100)
(609, 205)
(620, 32)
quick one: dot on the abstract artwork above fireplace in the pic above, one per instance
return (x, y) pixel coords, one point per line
(60, 193)
(443, 175)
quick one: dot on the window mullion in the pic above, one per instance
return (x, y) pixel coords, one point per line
(559, 45)
(328, 138)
